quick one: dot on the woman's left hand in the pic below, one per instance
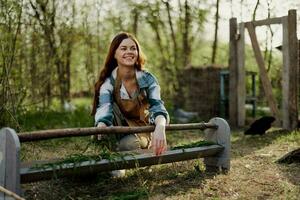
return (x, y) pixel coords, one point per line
(159, 142)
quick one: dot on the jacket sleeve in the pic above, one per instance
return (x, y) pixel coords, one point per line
(156, 104)
(104, 112)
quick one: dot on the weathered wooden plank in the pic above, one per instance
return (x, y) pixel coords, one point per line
(13, 161)
(263, 72)
(9, 194)
(220, 136)
(233, 70)
(241, 84)
(73, 132)
(2, 159)
(266, 22)
(290, 72)
(10, 164)
(84, 168)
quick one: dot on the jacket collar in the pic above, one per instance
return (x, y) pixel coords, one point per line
(140, 76)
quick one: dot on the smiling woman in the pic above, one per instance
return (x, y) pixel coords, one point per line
(127, 95)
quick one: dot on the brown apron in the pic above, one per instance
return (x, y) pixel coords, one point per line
(134, 111)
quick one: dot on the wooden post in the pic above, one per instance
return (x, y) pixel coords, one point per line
(263, 72)
(222, 137)
(290, 72)
(241, 84)
(9, 162)
(233, 71)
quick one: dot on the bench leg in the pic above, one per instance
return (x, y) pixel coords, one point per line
(9, 162)
(220, 136)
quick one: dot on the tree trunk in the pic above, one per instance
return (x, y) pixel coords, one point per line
(173, 36)
(33, 65)
(215, 43)
(186, 45)
(135, 13)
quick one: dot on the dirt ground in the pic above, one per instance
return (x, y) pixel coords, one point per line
(254, 174)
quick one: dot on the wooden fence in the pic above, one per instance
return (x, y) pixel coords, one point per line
(13, 172)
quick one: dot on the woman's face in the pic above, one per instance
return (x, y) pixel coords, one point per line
(126, 54)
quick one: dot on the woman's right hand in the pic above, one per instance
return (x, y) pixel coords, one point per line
(158, 141)
(99, 136)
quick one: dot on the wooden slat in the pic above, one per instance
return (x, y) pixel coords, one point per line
(241, 85)
(13, 162)
(84, 168)
(263, 72)
(290, 72)
(266, 22)
(233, 95)
(2, 160)
(9, 165)
(75, 132)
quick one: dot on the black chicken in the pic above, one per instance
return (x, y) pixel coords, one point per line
(260, 126)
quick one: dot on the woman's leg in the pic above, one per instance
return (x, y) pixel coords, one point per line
(128, 142)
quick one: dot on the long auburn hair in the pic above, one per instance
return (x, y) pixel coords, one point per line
(111, 63)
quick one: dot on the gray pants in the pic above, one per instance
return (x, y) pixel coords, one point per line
(127, 142)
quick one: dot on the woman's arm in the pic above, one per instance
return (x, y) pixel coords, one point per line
(158, 115)
(156, 105)
(104, 112)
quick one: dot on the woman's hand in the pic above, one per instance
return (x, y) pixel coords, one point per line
(99, 136)
(158, 141)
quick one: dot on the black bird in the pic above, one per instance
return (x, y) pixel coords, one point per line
(291, 157)
(259, 127)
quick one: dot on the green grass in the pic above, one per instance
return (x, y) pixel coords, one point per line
(253, 161)
(193, 144)
(139, 193)
(54, 118)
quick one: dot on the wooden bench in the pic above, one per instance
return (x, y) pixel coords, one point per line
(13, 172)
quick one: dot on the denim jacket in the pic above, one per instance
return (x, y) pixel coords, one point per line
(147, 83)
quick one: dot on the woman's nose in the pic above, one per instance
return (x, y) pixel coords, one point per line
(129, 51)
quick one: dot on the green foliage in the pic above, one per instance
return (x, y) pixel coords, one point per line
(51, 118)
(200, 143)
(292, 137)
(77, 159)
(11, 89)
(105, 153)
(140, 193)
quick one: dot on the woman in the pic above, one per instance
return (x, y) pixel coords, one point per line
(127, 95)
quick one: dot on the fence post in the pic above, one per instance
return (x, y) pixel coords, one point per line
(222, 137)
(290, 71)
(233, 73)
(9, 162)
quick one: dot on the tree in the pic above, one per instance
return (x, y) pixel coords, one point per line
(10, 25)
(215, 43)
(60, 50)
(185, 34)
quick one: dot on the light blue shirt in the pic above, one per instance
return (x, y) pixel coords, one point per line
(146, 82)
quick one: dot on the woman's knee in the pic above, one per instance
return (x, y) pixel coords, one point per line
(129, 142)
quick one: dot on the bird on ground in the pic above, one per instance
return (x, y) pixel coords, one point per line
(291, 157)
(68, 107)
(260, 126)
(183, 116)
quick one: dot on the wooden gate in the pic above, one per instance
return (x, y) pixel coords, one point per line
(288, 117)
